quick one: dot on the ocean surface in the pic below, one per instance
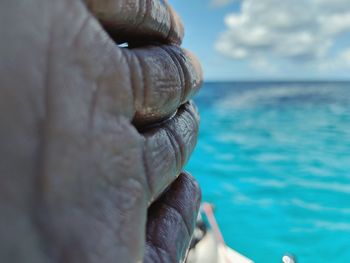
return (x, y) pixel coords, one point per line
(274, 158)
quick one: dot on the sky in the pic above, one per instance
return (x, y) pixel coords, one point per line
(268, 39)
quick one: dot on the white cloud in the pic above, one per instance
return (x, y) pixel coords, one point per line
(221, 3)
(340, 61)
(261, 64)
(334, 24)
(292, 30)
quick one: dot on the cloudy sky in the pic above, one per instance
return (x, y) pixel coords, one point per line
(269, 39)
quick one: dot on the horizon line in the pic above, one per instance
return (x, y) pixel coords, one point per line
(276, 80)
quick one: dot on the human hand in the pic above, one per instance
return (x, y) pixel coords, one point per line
(81, 168)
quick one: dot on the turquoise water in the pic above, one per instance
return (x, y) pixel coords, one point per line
(274, 158)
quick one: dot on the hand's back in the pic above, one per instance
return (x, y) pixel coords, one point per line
(77, 177)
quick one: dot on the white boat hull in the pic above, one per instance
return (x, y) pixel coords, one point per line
(208, 250)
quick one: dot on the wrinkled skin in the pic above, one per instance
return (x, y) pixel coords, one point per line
(94, 136)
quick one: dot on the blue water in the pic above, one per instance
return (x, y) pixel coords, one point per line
(274, 158)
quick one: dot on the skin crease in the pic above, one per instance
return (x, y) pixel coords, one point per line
(90, 160)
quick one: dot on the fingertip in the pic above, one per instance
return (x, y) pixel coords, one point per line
(186, 196)
(189, 67)
(176, 31)
(163, 78)
(133, 20)
(192, 109)
(197, 79)
(168, 148)
(171, 221)
(190, 180)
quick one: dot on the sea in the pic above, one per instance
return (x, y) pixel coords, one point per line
(274, 159)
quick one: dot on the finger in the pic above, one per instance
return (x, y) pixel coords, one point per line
(163, 78)
(128, 20)
(168, 147)
(147, 84)
(171, 221)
